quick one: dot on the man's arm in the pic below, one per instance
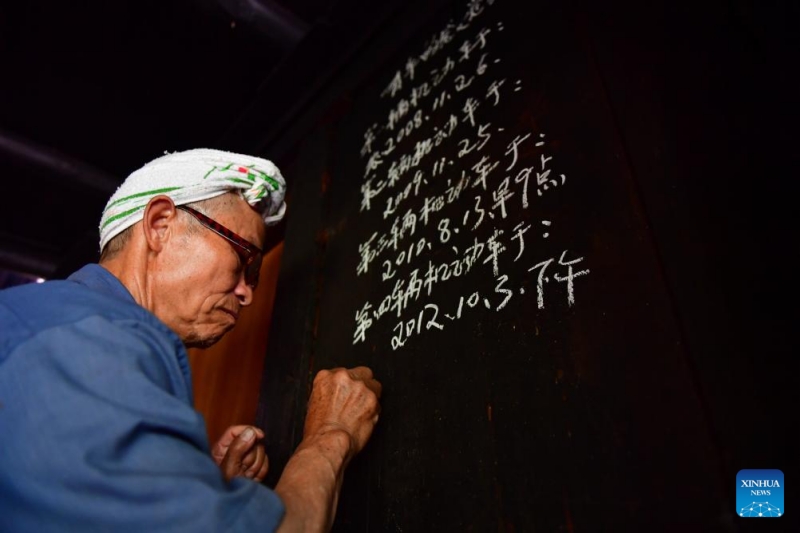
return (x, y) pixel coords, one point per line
(342, 411)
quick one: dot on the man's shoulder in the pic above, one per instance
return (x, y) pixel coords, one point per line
(30, 309)
(69, 317)
(62, 300)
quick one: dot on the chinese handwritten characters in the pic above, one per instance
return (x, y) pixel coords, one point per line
(456, 191)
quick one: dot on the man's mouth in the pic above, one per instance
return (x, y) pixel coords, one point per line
(234, 314)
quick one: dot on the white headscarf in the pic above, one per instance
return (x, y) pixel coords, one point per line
(192, 176)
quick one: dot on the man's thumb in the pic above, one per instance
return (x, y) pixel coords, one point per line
(232, 462)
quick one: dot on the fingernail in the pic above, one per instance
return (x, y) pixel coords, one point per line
(248, 434)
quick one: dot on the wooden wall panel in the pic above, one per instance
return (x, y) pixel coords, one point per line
(227, 376)
(622, 406)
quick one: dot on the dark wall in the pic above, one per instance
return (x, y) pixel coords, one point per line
(628, 351)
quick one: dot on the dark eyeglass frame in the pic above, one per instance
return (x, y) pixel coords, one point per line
(249, 254)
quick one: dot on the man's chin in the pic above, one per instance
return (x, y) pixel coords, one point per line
(205, 341)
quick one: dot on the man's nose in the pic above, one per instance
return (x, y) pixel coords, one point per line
(243, 292)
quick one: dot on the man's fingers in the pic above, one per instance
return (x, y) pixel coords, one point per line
(254, 461)
(250, 459)
(375, 386)
(235, 431)
(361, 372)
(358, 373)
(232, 464)
(231, 433)
(262, 473)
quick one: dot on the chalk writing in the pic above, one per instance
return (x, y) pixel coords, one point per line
(454, 189)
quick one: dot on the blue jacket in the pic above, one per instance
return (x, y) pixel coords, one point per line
(97, 428)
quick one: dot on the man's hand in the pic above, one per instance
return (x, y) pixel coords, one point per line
(345, 400)
(239, 453)
(342, 411)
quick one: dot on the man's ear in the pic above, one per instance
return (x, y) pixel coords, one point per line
(160, 217)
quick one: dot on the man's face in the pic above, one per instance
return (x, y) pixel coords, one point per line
(199, 287)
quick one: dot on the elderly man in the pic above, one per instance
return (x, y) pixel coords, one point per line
(97, 429)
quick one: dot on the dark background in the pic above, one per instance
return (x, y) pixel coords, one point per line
(92, 90)
(702, 99)
(680, 369)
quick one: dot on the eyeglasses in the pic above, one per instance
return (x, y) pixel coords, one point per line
(248, 253)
